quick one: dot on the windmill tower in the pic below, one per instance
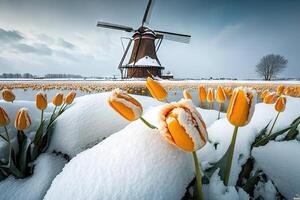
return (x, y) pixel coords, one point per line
(143, 61)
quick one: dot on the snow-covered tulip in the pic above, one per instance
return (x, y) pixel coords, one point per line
(125, 105)
(156, 89)
(4, 119)
(210, 97)
(70, 97)
(182, 126)
(279, 107)
(202, 94)
(280, 89)
(8, 95)
(239, 113)
(187, 94)
(23, 120)
(41, 101)
(270, 98)
(57, 100)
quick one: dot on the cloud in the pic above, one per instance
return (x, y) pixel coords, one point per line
(65, 44)
(8, 36)
(40, 49)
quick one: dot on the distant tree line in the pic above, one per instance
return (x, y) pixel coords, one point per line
(28, 75)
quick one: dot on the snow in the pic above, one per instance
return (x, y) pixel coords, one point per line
(280, 161)
(35, 186)
(266, 191)
(94, 120)
(146, 61)
(134, 163)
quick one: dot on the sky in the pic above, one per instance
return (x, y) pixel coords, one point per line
(228, 37)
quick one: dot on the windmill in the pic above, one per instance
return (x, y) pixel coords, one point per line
(143, 61)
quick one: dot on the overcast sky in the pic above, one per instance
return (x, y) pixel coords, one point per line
(228, 37)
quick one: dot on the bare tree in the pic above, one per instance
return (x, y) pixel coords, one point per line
(271, 65)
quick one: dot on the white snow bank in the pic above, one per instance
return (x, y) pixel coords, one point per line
(88, 121)
(134, 163)
(146, 61)
(35, 186)
(280, 161)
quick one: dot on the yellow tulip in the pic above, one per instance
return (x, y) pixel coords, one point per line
(298, 91)
(8, 95)
(125, 105)
(57, 100)
(4, 119)
(70, 97)
(280, 104)
(23, 120)
(210, 95)
(220, 95)
(264, 93)
(183, 126)
(280, 89)
(202, 93)
(41, 101)
(187, 95)
(156, 89)
(270, 98)
(241, 107)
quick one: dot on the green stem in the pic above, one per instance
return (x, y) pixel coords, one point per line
(198, 176)
(231, 151)
(61, 108)
(42, 116)
(9, 145)
(220, 107)
(147, 123)
(273, 124)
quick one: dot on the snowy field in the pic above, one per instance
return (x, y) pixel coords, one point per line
(113, 159)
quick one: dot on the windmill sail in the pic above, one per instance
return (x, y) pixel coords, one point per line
(115, 26)
(148, 12)
(183, 38)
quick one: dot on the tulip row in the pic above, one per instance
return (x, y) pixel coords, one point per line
(19, 159)
(182, 125)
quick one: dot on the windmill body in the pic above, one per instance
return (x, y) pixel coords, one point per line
(143, 61)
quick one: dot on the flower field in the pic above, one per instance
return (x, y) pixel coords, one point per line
(149, 139)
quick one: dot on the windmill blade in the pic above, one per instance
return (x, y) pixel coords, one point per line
(148, 12)
(174, 36)
(114, 26)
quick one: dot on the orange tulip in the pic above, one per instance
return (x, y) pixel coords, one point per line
(202, 93)
(183, 126)
(264, 93)
(156, 89)
(57, 100)
(210, 95)
(125, 105)
(220, 95)
(298, 91)
(280, 89)
(70, 97)
(41, 101)
(187, 95)
(270, 98)
(280, 104)
(23, 120)
(4, 119)
(241, 107)
(8, 95)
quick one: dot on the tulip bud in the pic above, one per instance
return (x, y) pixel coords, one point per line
(58, 99)
(270, 98)
(183, 126)
(264, 93)
(202, 93)
(8, 95)
(220, 95)
(23, 120)
(70, 97)
(280, 104)
(125, 105)
(280, 89)
(241, 107)
(156, 89)
(4, 119)
(210, 95)
(41, 101)
(187, 95)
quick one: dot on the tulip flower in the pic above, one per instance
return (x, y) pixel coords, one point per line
(156, 89)
(270, 98)
(210, 97)
(127, 106)
(70, 98)
(279, 107)
(4, 119)
(280, 89)
(201, 94)
(41, 103)
(263, 94)
(183, 127)
(8, 95)
(239, 113)
(187, 95)
(57, 100)
(221, 98)
(23, 120)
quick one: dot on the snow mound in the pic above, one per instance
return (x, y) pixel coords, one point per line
(88, 121)
(282, 165)
(35, 186)
(134, 163)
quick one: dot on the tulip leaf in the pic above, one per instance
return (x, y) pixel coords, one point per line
(23, 154)
(261, 134)
(251, 182)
